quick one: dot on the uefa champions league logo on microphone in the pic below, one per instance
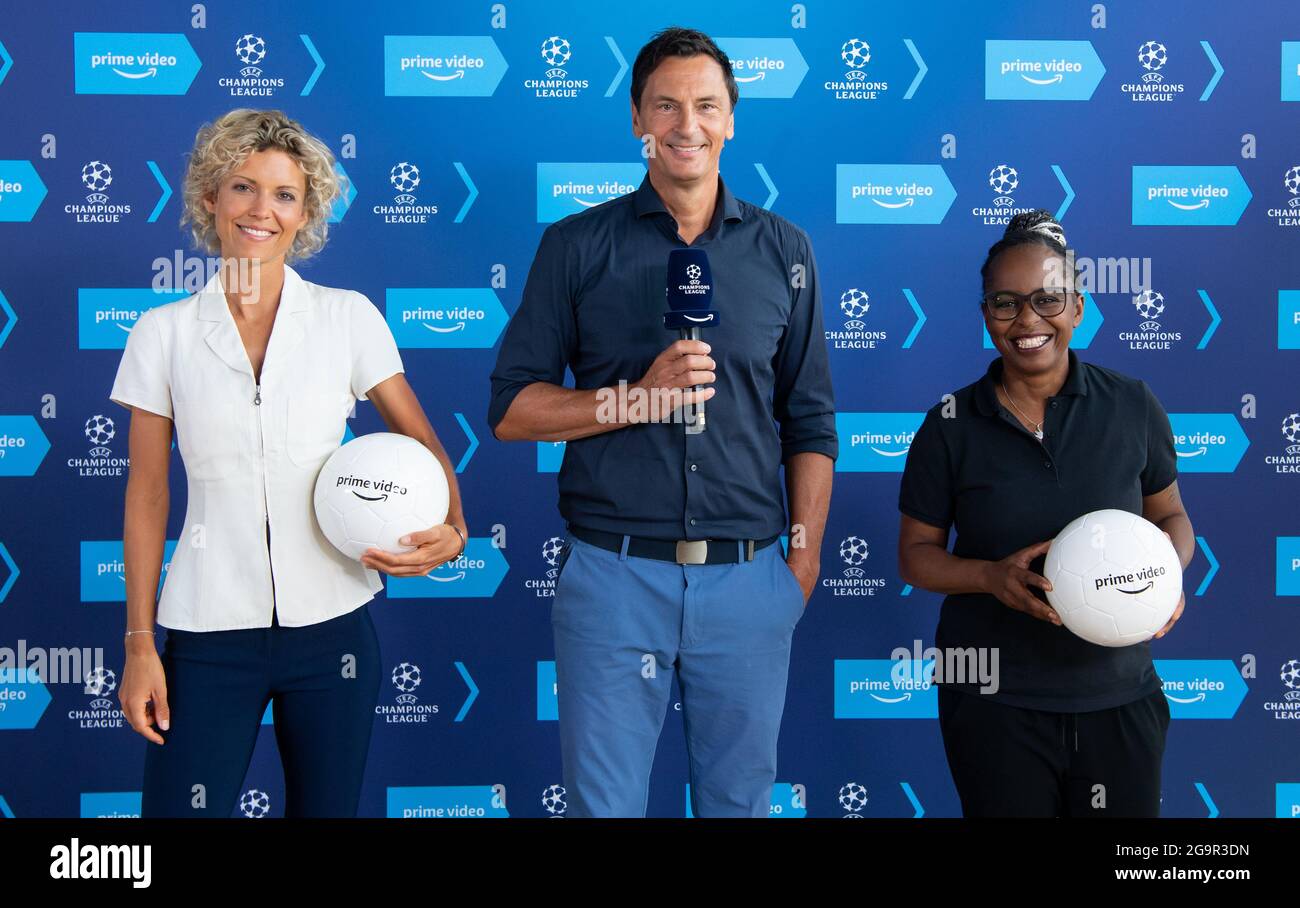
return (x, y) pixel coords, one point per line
(853, 798)
(553, 801)
(251, 50)
(255, 804)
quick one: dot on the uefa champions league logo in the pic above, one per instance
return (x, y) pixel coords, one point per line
(255, 804)
(553, 801)
(404, 176)
(100, 682)
(693, 272)
(251, 50)
(1152, 55)
(854, 303)
(96, 176)
(1149, 305)
(1290, 676)
(855, 53)
(556, 52)
(406, 678)
(854, 551)
(100, 431)
(1291, 432)
(853, 798)
(1003, 179)
(551, 551)
(1291, 182)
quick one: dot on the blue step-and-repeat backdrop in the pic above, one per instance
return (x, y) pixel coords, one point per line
(901, 136)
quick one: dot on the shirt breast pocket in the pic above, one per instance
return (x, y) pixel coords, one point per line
(315, 424)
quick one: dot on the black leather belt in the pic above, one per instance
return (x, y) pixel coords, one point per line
(681, 551)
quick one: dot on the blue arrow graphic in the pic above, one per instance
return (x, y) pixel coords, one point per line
(1218, 71)
(906, 590)
(771, 187)
(4, 808)
(622, 67)
(315, 73)
(920, 318)
(473, 191)
(11, 319)
(1209, 801)
(8, 64)
(1214, 320)
(921, 69)
(13, 572)
(1069, 191)
(1214, 565)
(166, 191)
(916, 804)
(473, 691)
(473, 443)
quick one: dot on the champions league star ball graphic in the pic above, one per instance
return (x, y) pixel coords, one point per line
(255, 804)
(406, 677)
(854, 303)
(1149, 304)
(377, 488)
(96, 176)
(853, 797)
(855, 53)
(1004, 179)
(1291, 674)
(100, 430)
(553, 800)
(1292, 181)
(854, 551)
(404, 176)
(551, 550)
(556, 51)
(1115, 577)
(1291, 428)
(693, 272)
(100, 682)
(1152, 55)
(250, 49)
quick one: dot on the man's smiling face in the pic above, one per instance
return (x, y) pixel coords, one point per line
(685, 106)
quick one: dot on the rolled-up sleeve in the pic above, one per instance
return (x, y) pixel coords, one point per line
(541, 336)
(803, 403)
(143, 375)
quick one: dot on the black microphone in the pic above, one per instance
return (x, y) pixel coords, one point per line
(690, 292)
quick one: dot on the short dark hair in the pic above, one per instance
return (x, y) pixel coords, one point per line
(1037, 227)
(679, 42)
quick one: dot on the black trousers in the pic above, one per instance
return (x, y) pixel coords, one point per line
(1007, 761)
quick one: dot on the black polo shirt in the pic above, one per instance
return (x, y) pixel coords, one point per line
(1106, 444)
(594, 302)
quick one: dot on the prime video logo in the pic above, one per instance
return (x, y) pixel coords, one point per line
(1208, 442)
(875, 442)
(1041, 70)
(892, 193)
(565, 189)
(442, 66)
(1195, 196)
(130, 63)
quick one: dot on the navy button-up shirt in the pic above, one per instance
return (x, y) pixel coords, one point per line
(594, 303)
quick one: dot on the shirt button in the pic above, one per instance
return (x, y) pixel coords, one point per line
(692, 521)
(694, 468)
(1053, 405)
(1048, 464)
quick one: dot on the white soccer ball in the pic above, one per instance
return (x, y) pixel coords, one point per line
(377, 488)
(1115, 577)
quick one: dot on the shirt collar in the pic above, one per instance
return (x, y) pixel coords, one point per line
(648, 202)
(986, 398)
(212, 298)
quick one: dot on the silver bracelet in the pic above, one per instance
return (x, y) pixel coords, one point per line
(129, 633)
(464, 541)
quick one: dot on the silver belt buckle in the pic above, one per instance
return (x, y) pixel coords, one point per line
(692, 551)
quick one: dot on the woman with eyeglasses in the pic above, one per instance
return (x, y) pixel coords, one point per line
(1061, 726)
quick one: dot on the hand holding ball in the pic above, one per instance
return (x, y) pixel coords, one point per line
(1116, 578)
(376, 489)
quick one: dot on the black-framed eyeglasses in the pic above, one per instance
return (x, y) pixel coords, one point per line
(1005, 305)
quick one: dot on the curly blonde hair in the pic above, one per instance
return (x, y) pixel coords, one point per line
(222, 146)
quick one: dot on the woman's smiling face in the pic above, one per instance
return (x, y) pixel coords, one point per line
(1032, 343)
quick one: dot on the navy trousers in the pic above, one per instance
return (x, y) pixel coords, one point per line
(324, 682)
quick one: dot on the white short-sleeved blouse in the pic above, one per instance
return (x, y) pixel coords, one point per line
(252, 452)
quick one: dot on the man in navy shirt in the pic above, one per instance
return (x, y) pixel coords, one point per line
(670, 567)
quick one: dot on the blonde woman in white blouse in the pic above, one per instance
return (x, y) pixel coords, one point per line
(257, 379)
